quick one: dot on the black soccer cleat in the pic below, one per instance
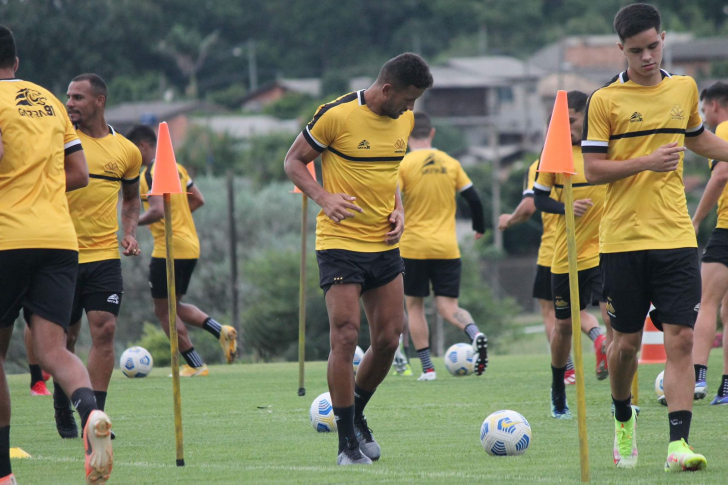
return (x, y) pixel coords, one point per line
(66, 424)
(480, 349)
(352, 455)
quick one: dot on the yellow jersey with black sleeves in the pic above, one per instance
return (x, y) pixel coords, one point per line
(361, 153)
(429, 180)
(184, 234)
(546, 248)
(626, 120)
(36, 135)
(586, 226)
(721, 131)
(112, 160)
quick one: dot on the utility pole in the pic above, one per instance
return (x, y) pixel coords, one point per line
(252, 66)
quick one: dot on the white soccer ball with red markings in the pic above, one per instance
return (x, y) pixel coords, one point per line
(136, 362)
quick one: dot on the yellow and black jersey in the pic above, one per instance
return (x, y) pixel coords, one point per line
(626, 120)
(546, 248)
(721, 131)
(361, 156)
(586, 226)
(36, 135)
(184, 234)
(429, 181)
(112, 160)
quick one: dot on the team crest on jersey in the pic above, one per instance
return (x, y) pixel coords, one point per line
(430, 166)
(677, 113)
(636, 117)
(29, 97)
(111, 167)
(363, 145)
(400, 146)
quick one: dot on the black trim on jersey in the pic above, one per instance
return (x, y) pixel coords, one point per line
(104, 177)
(696, 132)
(310, 141)
(148, 176)
(366, 159)
(73, 149)
(363, 101)
(344, 99)
(130, 181)
(594, 149)
(634, 134)
(625, 76)
(582, 184)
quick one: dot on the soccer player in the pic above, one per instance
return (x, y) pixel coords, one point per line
(362, 137)
(42, 158)
(634, 130)
(429, 179)
(588, 204)
(186, 254)
(714, 270)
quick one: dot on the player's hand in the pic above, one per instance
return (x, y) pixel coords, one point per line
(336, 207)
(396, 219)
(581, 206)
(478, 235)
(131, 246)
(503, 223)
(666, 158)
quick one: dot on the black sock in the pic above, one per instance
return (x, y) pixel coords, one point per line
(193, 358)
(471, 330)
(622, 409)
(60, 400)
(5, 468)
(723, 391)
(425, 359)
(212, 326)
(594, 333)
(345, 426)
(100, 399)
(361, 398)
(557, 380)
(679, 425)
(701, 372)
(36, 375)
(84, 400)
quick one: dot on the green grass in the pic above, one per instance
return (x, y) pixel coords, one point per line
(245, 424)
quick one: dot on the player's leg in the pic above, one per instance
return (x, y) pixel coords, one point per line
(195, 365)
(416, 289)
(225, 334)
(102, 326)
(37, 381)
(65, 422)
(721, 396)
(560, 344)
(5, 468)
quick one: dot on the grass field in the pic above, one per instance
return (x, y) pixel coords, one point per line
(246, 424)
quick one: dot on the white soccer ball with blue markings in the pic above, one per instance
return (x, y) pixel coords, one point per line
(459, 359)
(358, 356)
(136, 362)
(321, 414)
(505, 433)
(659, 387)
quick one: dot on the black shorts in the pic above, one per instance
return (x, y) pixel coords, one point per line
(39, 281)
(370, 270)
(590, 284)
(668, 278)
(542, 284)
(99, 287)
(443, 273)
(716, 251)
(183, 269)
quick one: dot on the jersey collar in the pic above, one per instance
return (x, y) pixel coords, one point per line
(360, 96)
(624, 77)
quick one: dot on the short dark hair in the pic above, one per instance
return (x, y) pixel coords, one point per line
(141, 133)
(635, 19)
(576, 100)
(97, 84)
(8, 52)
(423, 126)
(406, 69)
(716, 92)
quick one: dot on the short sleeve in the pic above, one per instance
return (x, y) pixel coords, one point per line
(695, 122)
(463, 182)
(71, 143)
(529, 179)
(544, 181)
(721, 131)
(134, 165)
(184, 177)
(322, 130)
(597, 126)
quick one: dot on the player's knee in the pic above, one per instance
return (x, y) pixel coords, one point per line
(627, 345)
(562, 327)
(104, 332)
(680, 340)
(344, 337)
(386, 343)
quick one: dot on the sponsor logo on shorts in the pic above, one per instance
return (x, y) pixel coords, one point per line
(113, 299)
(697, 308)
(610, 308)
(561, 303)
(338, 280)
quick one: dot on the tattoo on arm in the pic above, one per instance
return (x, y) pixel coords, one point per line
(130, 207)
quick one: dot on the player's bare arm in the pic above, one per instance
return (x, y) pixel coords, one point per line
(396, 219)
(155, 212)
(131, 204)
(337, 207)
(76, 171)
(713, 189)
(599, 170)
(523, 212)
(708, 145)
(195, 198)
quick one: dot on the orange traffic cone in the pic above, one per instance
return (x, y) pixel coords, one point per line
(556, 156)
(166, 177)
(312, 170)
(653, 345)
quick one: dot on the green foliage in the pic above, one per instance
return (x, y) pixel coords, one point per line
(230, 97)
(292, 105)
(147, 87)
(262, 160)
(334, 83)
(449, 139)
(210, 152)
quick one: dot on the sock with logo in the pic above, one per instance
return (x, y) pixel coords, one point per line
(723, 391)
(345, 425)
(471, 330)
(594, 333)
(425, 359)
(60, 400)
(84, 400)
(5, 468)
(622, 409)
(100, 399)
(36, 374)
(557, 380)
(701, 372)
(361, 398)
(212, 326)
(679, 425)
(193, 358)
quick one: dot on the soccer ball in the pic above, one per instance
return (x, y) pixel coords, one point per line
(459, 359)
(659, 389)
(505, 433)
(136, 362)
(322, 414)
(358, 356)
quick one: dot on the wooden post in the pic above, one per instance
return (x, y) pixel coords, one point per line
(233, 238)
(302, 301)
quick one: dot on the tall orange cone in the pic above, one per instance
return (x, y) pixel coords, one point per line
(557, 156)
(653, 344)
(166, 178)
(312, 170)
